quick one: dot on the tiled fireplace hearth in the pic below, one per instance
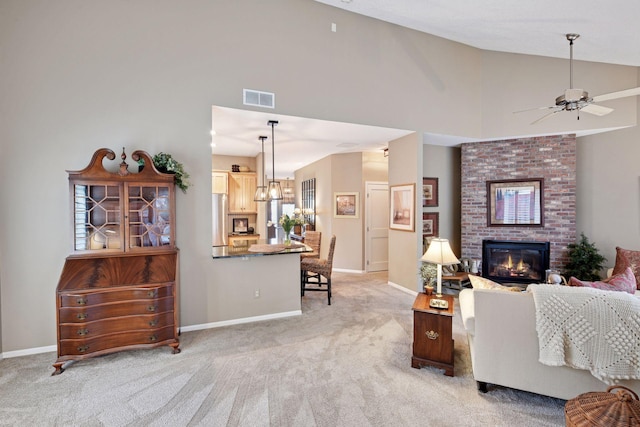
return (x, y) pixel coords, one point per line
(551, 158)
(505, 261)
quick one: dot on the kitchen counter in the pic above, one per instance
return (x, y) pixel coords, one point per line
(255, 248)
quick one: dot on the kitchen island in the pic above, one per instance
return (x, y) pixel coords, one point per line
(259, 280)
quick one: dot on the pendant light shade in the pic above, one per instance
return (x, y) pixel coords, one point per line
(261, 190)
(275, 192)
(287, 193)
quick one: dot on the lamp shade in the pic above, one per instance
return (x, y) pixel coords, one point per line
(274, 190)
(261, 194)
(439, 252)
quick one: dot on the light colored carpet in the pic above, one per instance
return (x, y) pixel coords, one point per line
(348, 364)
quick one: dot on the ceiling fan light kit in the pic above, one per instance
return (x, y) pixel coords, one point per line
(578, 99)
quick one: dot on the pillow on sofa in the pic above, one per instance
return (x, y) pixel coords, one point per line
(478, 282)
(623, 282)
(627, 258)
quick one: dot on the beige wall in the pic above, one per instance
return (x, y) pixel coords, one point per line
(338, 173)
(444, 163)
(77, 76)
(513, 82)
(608, 191)
(346, 175)
(321, 171)
(375, 167)
(405, 166)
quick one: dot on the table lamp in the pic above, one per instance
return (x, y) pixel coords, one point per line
(439, 252)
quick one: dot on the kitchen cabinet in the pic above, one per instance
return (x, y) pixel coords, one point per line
(219, 182)
(242, 188)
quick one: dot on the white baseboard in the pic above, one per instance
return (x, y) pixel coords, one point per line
(344, 270)
(49, 348)
(403, 289)
(240, 321)
(28, 351)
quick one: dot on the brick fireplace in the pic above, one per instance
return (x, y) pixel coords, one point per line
(552, 158)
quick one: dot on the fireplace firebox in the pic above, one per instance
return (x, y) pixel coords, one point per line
(506, 261)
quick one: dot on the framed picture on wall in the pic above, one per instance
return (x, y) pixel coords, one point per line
(402, 207)
(429, 224)
(429, 192)
(346, 205)
(515, 202)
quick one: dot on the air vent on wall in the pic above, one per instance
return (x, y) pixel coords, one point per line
(259, 99)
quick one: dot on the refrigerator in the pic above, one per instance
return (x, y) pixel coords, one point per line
(220, 209)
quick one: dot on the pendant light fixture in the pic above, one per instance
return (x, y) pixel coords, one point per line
(261, 190)
(275, 192)
(287, 192)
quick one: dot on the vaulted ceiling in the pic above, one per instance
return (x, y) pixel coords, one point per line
(608, 29)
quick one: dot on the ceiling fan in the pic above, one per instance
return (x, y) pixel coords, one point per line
(578, 99)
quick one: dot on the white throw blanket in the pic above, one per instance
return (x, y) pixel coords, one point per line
(589, 329)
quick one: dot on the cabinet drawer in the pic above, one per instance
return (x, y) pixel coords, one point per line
(86, 299)
(116, 324)
(119, 309)
(80, 347)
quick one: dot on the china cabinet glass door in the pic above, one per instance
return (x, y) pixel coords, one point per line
(97, 217)
(149, 216)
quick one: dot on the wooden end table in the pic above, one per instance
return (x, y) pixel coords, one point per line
(432, 334)
(461, 278)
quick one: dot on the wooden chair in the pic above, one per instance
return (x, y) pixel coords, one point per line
(312, 239)
(313, 270)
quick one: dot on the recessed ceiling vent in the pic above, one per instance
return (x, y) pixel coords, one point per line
(259, 99)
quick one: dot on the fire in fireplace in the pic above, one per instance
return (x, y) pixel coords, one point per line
(506, 261)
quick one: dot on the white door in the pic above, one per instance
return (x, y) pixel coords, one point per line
(377, 222)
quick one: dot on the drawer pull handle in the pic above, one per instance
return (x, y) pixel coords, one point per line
(152, 308)
(153, 322)
(153, 293)
(153, 338)
(81, 301)
(83, 348)
(83, 332)
(432, 335)
(81, 316)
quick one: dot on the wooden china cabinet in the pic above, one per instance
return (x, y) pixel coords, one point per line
(119, 288)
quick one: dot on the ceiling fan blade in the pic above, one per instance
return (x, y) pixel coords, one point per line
(546, 116)
(615, 95)
(534, 109)
(597, 110)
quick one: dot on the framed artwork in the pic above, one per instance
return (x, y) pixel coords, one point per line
(515, 202)
(430, 192)
(346, 205)
(429, 224)
(402, 207)
(240, 225)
